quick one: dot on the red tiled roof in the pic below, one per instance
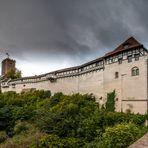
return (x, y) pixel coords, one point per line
(128, 44)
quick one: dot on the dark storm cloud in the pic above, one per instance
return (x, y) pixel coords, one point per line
(76, 30)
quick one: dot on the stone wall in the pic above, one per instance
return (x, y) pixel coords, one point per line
(97, 77)
(131, 90)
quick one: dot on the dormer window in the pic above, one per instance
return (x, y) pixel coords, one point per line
(126, 45)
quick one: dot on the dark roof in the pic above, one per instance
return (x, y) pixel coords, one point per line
(8, 59)
(130, 43)
(126, 45)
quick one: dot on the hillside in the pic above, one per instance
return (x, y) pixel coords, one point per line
(37, 119)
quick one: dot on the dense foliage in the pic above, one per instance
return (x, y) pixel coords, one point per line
(110, 103)
(14, 74)
(37, 119)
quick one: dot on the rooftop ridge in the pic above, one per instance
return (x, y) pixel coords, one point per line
(127, 44)
(131, 42)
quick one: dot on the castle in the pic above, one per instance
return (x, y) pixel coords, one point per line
(7, 65)
(125, 70)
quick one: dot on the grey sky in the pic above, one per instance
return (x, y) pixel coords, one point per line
(44, 35)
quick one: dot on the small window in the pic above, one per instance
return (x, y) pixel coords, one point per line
(129, 53)
(135, 71)
(129, 58)
(116, 75)
(120, 61)
(136, 57)
(137, 51)
(126, 46)
(100, 98)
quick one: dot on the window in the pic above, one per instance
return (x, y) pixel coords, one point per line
(124, 53)
(126, 45)
(116, 99)
(13, 85)
(136, 57)
(137, 50)
(129, 58)
(135, 71)
(100, 98)
(129, 53)
(120, 61)
(116, 75)
(120, 56)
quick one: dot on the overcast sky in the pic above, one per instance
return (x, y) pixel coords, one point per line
(45, 35)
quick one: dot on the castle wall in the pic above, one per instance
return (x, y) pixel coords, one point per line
(92, 83)
(99, 78)
(66, 85)
(128, 88)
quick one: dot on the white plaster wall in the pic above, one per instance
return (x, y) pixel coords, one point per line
(101, 82)
(92, 83)
(135, 106)
(127, 87)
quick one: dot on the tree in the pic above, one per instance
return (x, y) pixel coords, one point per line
(14, 74)
(121, 135)
(110, 103)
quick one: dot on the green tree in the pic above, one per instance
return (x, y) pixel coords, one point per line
(120, 136)
(14, 74)
(110, 103)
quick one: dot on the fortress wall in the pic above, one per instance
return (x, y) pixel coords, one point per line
(127, 87)
(134, 106)
(98, 77)
(65, 85)
(110, 83)
(6, 89)
(92, 82)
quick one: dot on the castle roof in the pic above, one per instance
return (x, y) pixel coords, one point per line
(8, 59)
(126, 45)
(130, 43)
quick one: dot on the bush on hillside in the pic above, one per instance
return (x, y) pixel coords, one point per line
(72, 120)
(55, 141)
(3, 136)
(120, 136)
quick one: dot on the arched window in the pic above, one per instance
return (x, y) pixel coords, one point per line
(135, 71)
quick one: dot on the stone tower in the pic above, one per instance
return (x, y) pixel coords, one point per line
(7, 65)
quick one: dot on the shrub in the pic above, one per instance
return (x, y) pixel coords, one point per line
(55, 141)
(20, 127)
(22, 113)
(110, 103)
(55, 99)
(5, 117)
(3, 136)
(120, 136)
(71, 116)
